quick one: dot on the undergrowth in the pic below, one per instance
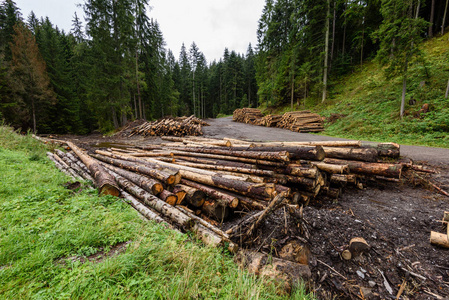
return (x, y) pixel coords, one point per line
(48, 231)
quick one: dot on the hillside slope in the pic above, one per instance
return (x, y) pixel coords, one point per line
(371, 103)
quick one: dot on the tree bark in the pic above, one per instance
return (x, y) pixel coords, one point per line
(432, 13)
(127, 163)
(155, 203)
(143, 210)
(215, 210)
(281, 156)
(444, 18)
(380, 169)
(194, 196)
(223, 198)
(285, 272)
(294, 152)
(74, 166)
(169, 197)
(369, 155)
(326, 54)
(103, 180)
(148, 184)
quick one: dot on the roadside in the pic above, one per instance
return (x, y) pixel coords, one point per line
(225, 127)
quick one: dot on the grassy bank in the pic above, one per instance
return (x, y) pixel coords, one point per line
(370, 103)
(56, 243)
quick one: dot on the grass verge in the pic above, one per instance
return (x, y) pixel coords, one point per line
(48, 233)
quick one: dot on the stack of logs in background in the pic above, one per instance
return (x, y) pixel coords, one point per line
(198, 184)
(180, 126)
(298, 121)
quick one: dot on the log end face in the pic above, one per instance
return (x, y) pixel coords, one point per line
(108, 189)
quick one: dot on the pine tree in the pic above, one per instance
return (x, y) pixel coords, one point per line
(399, 36)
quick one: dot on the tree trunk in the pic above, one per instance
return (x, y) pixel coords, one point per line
(138, 86)
(444, 18)
(326, 53)
(34, 115)
(447, 90)
(103, 180)
(404, 88)
(215, 210)
(432, 14)
(333, 35)
(169, 197)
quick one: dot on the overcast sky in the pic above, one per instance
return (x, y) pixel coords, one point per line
(212, 24)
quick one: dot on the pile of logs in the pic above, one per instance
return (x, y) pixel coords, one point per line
(171, 126)
(247, 115)
(195, 184)
(298, 121)
(301, 121)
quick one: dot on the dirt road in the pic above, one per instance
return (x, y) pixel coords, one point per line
(224, 127)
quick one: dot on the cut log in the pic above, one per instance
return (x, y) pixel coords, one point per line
(225, 168)
(157, 204)
(285, 272)
(67, 167)
(346, 255)
(177, 153)
(381, 169)
(194, 196)
(439, 239)
(223, 198)
(143, 210)
(180, 193)
(103, 180)
(383, 149)
(130, 164)
(149, 184)
(330, 168)
(169, 197)
(281, 156)
(368, 155)
(295, 153)
(73, 165)
(58, 165)
(358, 245)
(215, 210)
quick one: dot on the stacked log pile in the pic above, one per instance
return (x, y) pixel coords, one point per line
(196, 184)
(247, 115)
(298, 121)
(171, 126)
(301, 121)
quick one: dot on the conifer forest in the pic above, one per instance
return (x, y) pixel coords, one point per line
(113, 65)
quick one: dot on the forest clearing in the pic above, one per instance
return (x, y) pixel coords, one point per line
(348, 233)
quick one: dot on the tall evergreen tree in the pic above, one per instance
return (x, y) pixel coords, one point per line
(399, 36)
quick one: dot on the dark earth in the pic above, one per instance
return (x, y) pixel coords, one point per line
(395, 219)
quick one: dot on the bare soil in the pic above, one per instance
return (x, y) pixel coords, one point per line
(395, 220)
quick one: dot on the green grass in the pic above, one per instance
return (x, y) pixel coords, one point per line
(45, 229)
(372, 102)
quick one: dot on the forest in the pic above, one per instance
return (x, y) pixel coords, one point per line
(114, 66)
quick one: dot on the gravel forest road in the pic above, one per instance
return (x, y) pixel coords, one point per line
(225, 127)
